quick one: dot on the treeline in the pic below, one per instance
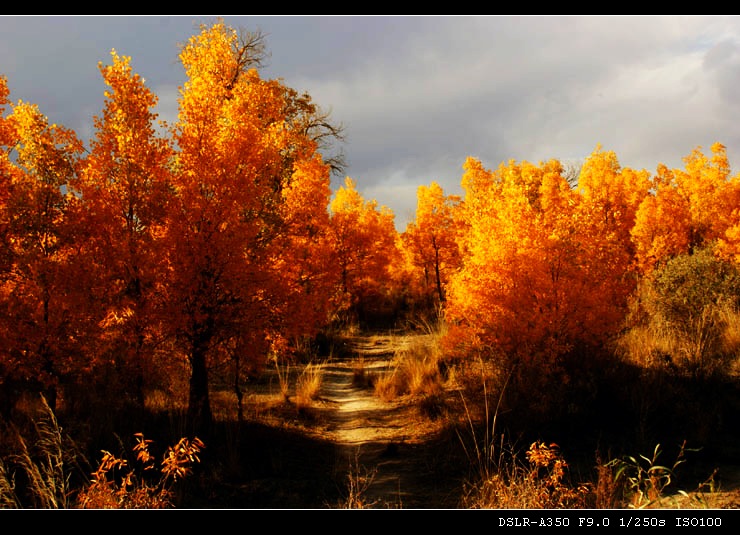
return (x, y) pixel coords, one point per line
(217, 241)
(552, 268)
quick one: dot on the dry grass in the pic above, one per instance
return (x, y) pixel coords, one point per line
(415, 371)
(44, 467)
(501, 479)
(537, 484)
(706, 345)
(308, 386)
(359, 479)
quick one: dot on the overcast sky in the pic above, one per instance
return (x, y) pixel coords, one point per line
(418, 94)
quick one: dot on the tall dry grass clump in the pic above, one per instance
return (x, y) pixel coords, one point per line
(38, 476)
(538, 483)
(308, 385)
(358, 482)
(501, 480)
(416, 371)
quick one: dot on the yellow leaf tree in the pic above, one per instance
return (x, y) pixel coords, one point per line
(364, 240)
(240, 244)
(686, 209)
(543, 276)
(8, 364)
(609, 198)
(431, 240)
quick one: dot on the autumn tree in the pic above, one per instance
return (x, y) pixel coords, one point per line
(728, 246)
(119, 218)
(246, 151)
(7, 139)
(365, 244)
(686, 209)
(685, 252)
(37, 331)
(305, 261)
(543, 276)
(662, 223)
(432, 240)
(510, 293)
(609, 198)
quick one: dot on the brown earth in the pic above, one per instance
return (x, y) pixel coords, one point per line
(390, 455)
(385, 444)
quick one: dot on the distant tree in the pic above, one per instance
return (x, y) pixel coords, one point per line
(365, 245)
(432, 240)
(7, 169)
(687, 209)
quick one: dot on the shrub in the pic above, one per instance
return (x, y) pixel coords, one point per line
(115, 485)
(540, 483)
(689, 284)
(686, 318)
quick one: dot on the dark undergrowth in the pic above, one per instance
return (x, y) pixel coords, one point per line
(276, 464)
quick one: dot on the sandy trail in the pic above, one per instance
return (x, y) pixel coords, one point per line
(374, 437)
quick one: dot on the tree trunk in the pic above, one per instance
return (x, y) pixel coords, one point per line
(237, 389)
(440, 293)
(199, 416)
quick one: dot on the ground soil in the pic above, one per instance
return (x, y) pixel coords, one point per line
(388, 445)
(388, 453)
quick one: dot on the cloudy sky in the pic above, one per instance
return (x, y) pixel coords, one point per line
(418, 94)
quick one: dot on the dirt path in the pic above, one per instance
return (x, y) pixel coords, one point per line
(376, 439)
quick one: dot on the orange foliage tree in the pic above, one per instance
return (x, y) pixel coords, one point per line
(245, 155)
(119, 221)
(687, 209)
(431, 240)
(609, 198)
(305, 266)
(7, 139)
(37, 322)
(544, 265)
(366, 249)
